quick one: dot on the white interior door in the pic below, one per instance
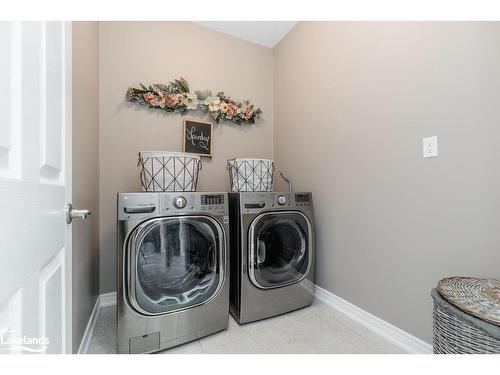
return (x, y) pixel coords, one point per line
(35, 162)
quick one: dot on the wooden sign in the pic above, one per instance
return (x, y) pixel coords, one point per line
(197, 138)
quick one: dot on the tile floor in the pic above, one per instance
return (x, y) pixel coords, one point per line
(315, 329)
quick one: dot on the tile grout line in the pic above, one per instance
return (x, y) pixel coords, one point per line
(341, 342)
(256, 342)
(250, 336)
(252, 333)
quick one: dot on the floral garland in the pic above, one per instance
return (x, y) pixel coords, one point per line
(175, 97)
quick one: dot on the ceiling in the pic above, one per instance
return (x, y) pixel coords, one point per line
(264, 33)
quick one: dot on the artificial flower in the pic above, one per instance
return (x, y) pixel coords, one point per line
(232, 110)
(213, 103)
(247, 112)
(172, 100)
(153, 100)
(223, 106)
(190, 101)
(148, 96)
(161, 102)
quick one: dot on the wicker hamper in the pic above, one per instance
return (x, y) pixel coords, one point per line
(467, 325)
(168, 171)
(251, 174)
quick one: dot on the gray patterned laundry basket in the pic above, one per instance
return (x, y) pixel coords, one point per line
(251, 174)
(168, 171)
(466, 313)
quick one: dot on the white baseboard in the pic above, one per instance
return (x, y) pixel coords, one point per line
(393, 334)
(89, 331)
(103, 300)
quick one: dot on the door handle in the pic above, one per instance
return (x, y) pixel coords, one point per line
(139, 210)
(255, 205)
(73, 213)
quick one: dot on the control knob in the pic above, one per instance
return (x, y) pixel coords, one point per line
(281, 200)
(180, 202)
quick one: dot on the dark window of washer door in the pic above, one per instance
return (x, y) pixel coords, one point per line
(177, 263)
(280, 249)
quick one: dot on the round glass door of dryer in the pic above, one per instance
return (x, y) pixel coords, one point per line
(175, 263)
(280, 249)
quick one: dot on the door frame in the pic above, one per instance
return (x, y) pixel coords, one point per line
(68, 160)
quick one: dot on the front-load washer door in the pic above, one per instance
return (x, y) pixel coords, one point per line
(280, 245)
(174, 263)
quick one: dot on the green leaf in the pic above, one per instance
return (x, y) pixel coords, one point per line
(161, 86)
(184, 84)
(202, 95)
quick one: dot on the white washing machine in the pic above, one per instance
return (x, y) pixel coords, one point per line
(173, 269)
(272, 253)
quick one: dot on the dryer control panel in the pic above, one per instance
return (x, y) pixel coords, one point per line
(259, 201)
(303, 199)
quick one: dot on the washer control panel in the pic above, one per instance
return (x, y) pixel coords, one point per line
(281, 200)
(213, 202)
(137, 205)
(212, 199)
(143, 205)
(180, 202)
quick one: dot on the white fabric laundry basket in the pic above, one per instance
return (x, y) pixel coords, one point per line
(251, 174)
(168, 171)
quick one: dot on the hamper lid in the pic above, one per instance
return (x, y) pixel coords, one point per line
(477, 297)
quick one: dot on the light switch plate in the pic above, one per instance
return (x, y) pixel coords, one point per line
(430, 147)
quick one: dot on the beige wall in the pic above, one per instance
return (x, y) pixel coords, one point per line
(85, 173)
(352, 103)
(157, 52)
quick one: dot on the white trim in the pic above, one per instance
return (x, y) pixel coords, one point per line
(89, 331)
(103, 300)
(67, 40)
(393, 334)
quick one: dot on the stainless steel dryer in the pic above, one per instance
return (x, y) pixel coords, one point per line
(173, 269)
(272, 253)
